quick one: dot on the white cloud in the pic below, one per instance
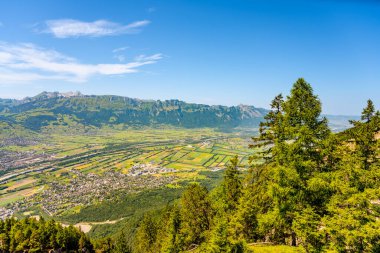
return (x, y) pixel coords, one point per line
(66, 28)
(27, 62)
(118, 53)
(148, 58)
(120, 49)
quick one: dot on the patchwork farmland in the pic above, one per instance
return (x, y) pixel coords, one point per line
(89, 170)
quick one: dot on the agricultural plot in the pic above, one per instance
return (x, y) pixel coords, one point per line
(98, 168)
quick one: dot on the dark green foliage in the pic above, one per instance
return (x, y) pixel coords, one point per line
(126, 206)
(196, 214)
(179, 227)
(105, 245)
(297, 135)
(363, 135)
(352, 221)
(231, 185)
(316, 189)
(146, 235)
(173, 238)
(40, 236)
(122, 244)
(221, 240)
(307, 228)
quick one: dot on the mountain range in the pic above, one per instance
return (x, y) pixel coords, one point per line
(54, 109)
(63, 109)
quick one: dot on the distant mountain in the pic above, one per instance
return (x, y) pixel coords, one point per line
(73, 109)
(4, 103)
(50, 109)
(338, 123)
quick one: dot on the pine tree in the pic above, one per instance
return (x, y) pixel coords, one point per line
(364, 135)
(297, 135)
(353, 210)
(231, 185)
(196, 214)
(272, 133)
(173, 241)
(121, 244)
(146, 235)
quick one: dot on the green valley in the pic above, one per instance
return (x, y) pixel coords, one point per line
(61, 175)
(155, 186)
(189, 126)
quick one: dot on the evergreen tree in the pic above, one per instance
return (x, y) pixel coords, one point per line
(196, 214)
(364, 135)
(307, 226)
(255, 199)
(30, 235)
(146, 235)
(272, 133)
(354, 209)
(297, 135)
(173, 242)
(121, 244)
(231, 185)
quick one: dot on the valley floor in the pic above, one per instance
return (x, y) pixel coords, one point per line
(61, 176)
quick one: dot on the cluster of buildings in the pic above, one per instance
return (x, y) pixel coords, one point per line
(148, 169)
(5, 213)
(83, 189)
(13, 159)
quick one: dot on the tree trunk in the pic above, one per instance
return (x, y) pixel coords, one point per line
(294, 239)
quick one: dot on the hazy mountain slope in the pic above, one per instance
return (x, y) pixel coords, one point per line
(63, 109)
(74, 109)
(339, 123)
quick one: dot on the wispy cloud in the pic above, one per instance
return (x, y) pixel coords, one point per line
(27, 62)
(118, 53)
(120, 49)
(66, 28)
(1, 24)
(143, 57)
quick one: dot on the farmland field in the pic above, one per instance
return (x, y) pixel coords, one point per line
(69, 174)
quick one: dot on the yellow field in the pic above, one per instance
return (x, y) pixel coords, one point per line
(17, 195)
(20, 183)
(275, 249)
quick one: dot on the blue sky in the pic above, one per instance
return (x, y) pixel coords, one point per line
(213, 52)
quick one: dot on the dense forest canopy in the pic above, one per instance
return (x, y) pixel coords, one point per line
(32, 235)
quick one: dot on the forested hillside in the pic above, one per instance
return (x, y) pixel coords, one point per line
(31, 235)
(73, 109)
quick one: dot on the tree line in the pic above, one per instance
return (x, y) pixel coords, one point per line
(32, 235)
